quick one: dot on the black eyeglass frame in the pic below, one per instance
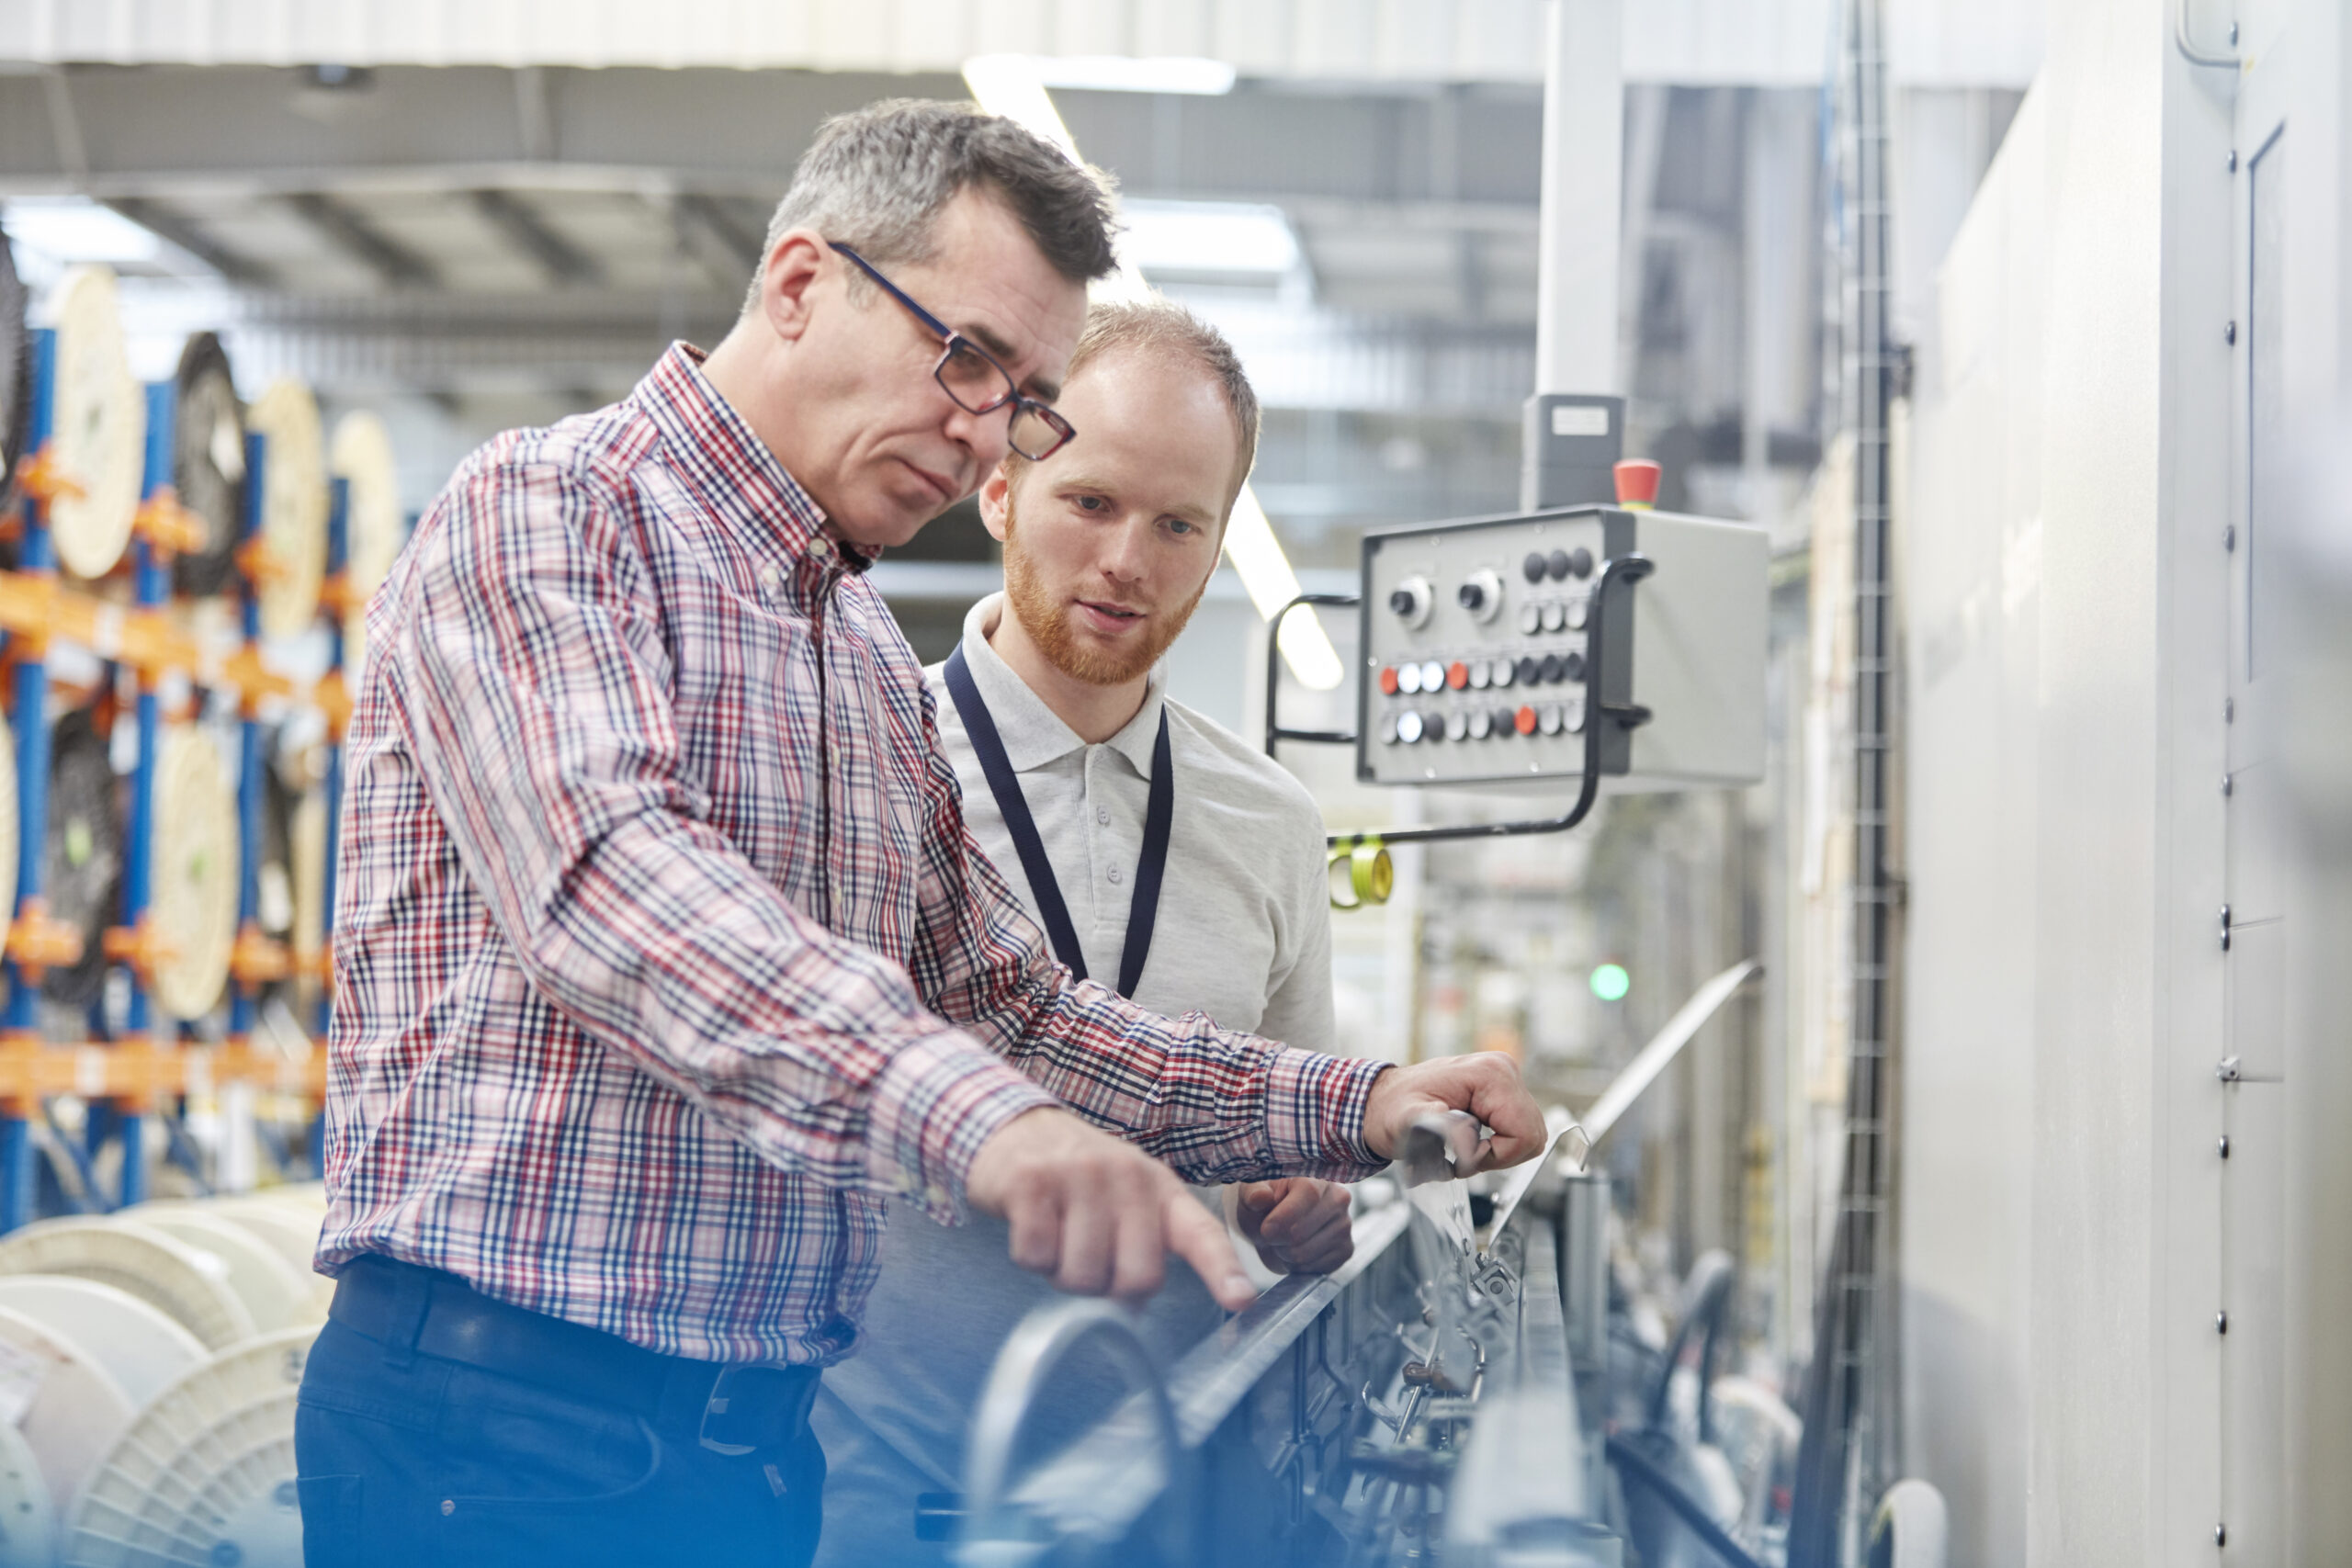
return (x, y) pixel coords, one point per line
(953, 341)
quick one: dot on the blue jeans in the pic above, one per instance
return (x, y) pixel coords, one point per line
(405, 1458)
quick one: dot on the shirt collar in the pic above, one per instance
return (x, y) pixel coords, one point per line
(1034, 734)
(734, 470)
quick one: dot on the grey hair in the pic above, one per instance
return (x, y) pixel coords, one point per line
(876, 179)
(1163, 327)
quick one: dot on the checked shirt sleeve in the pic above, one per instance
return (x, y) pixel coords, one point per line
(529, 678)
(1216, 1105)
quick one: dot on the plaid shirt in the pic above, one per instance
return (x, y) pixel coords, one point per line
(662, 959)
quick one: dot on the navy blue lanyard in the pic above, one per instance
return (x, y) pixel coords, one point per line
(1159, 815)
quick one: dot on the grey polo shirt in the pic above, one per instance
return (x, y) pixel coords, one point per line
(1243, 934)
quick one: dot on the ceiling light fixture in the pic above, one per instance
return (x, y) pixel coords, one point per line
(1009, 85)
(1130, 74)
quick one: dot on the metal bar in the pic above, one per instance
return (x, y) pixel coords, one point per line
(1664, 1047)
(158, 218)
(1274, 732)
(393, 262)
(521, 227)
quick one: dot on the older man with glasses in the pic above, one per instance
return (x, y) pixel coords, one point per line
(664, 960)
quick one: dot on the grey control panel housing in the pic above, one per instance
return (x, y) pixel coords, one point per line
(1480, 638)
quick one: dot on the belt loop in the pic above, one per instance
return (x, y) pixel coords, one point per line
(412, 1303)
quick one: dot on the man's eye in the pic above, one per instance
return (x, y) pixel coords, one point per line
(1091, 503)
(1180, 527)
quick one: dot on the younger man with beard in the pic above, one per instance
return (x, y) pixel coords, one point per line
(1084, 782)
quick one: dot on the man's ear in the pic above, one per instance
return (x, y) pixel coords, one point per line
(996, 500)
(788, 282)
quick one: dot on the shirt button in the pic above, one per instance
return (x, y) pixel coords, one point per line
(1114, 873)
(820, 545)
(770, 579)
(1103, 815)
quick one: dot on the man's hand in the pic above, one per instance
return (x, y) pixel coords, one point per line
(1299, 1225)
(1486, 1084)
(1098, 1216)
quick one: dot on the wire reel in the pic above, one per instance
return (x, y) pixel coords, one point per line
(293, 506)
(99, 426)
(208, 464)
(83, 853)
(362, 456)
(15, 368)
(194, 878)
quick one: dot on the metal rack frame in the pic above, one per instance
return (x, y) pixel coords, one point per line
(126, 1080)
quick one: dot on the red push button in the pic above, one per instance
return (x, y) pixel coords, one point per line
(1457, 674)
(1389, 681)
(1523, 721)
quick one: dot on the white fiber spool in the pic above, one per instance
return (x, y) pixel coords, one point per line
(141, 1347)
(275, 1295)
(205, 1474)
(362, 454)
(72, 1408)
(282, 1227)
(192, 1285)
(293, 505)
(100, 424)
(195, 873)
(28, 1516)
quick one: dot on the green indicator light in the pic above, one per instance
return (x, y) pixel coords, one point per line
(1610, 982)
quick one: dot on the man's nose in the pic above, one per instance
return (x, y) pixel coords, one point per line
(986, 436)
(1126, 556)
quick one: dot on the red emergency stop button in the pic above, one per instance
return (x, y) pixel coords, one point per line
(1524, 721)
(1457, 674)
(1389, 681)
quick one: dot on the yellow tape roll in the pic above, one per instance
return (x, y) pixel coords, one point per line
(1371, 877)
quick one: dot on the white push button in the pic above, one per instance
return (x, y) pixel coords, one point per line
(1408, 727)
(1556, 617)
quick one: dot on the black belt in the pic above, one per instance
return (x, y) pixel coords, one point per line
(727, 1407)
(1159, 813)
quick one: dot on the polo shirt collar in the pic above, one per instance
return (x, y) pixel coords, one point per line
(1034, 734)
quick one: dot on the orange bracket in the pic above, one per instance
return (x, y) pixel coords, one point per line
(260, 563)
(244, 670)
(257, 960)
(141, 946)
(41, 477)
(332, 696)
(172, 530)
(38, 943)
(29, 609)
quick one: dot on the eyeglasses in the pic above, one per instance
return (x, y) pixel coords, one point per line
(977, 383)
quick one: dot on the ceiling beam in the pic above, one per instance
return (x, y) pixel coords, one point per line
(177, 228)
(520, 225)
(393, 262)
(708, 232)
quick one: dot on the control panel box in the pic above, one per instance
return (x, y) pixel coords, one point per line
(1491, 645)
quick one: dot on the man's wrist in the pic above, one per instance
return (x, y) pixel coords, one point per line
(1315, 1111)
